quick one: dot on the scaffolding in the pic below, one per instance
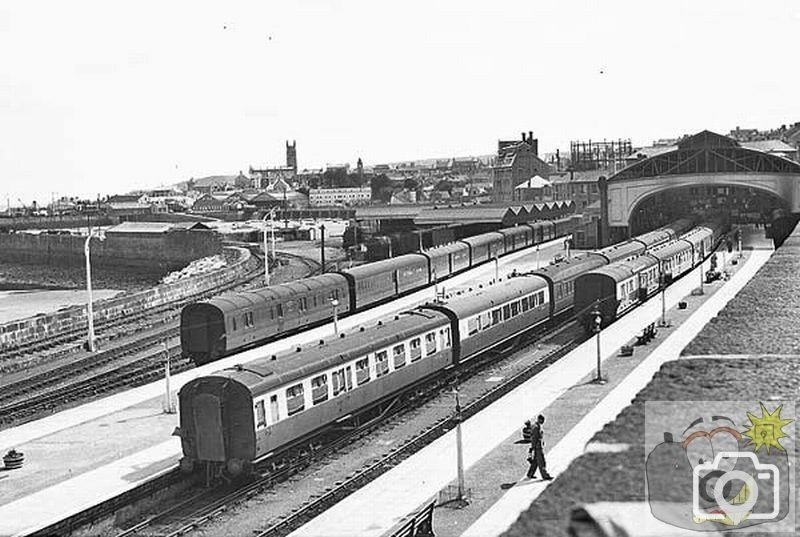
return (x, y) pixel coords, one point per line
(603, 155)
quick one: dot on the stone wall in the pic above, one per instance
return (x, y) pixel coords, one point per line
(154, 254)
(39, 327)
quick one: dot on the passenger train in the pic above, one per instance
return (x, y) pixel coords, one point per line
(618, 287)
(245, 413)
(234, 321)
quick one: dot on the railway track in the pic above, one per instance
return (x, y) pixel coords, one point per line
(122, 365)
(191, 513)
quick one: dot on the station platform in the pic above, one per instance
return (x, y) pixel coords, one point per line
(494, 460)
(82, 456)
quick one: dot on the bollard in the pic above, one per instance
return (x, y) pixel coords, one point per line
(13, 459)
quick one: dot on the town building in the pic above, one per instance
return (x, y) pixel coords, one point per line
(322, 197)
(517, 161)
(262, 177)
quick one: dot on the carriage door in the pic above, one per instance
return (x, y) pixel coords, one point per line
(207, 415)
(273, 409)
(348, 378)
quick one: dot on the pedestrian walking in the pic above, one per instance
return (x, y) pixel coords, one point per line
(536, 451)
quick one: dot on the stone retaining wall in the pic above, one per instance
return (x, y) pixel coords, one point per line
(154, 254)
(42, 326)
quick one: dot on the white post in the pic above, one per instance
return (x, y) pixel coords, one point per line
(538, 264)
(266, 250)
(90, 307)
(435, 286)
(272, 229)
(168, 407)
(459, 451)
(335, 304)
(496, 269)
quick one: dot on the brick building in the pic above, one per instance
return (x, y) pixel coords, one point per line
(517, 161)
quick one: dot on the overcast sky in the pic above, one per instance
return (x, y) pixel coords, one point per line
(104, 97)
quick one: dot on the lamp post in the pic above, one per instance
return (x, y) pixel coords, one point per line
(662, 281)
(335, 304)
(496, 269)
(459, 451)
(597, 323)
(322, 246)
(90, 308)
(538, 265)
(266, 250)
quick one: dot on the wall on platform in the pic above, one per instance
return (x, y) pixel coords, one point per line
(16, 333)
(155, 254)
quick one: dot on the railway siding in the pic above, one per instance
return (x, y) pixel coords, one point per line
(39, 327)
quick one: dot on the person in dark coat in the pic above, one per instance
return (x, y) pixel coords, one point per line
(536, 451)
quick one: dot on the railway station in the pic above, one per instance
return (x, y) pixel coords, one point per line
(347, 269)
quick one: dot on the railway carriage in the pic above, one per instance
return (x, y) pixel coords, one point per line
(614, 289)
(548, 231)
(561, 279)
(496, 314)
(211, 328)
(702, 240)
(247, 412)
(622, 251)
(485, 247)
(448, 259)
(382, 280)
(517, 238)
(675, 259)
(538, 232)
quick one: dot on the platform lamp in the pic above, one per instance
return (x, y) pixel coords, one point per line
(271, 215)
(90, 346)
(597, 326)
(335, 304)
(662, 282)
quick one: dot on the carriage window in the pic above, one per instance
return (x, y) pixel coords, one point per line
(272, 313)
(486, 320)
(446, 337)
(525, 306)
(506, 312)
(233, 320)
(430, 343)
(514, 309)
(496, 317)
(541, 297)
(319, 389)
(261, 414)
(303, 304)
(399, 353)
(415, 349)
(294, 399)
(338, 382)
(248, 319)
(472, 326)
(381, 363)
(362, 371)
(274, 414)
(279, 309)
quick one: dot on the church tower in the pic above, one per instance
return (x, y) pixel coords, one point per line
(291, 155)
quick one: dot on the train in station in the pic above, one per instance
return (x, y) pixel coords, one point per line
(239, 415)
(233, 322)
(618, 287)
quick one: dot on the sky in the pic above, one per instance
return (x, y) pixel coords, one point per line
(106, 97)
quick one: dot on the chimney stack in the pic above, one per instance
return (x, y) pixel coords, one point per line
(523, 136)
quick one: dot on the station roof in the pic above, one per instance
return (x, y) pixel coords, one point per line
(473, 214)
(155, 227)
(388, 212)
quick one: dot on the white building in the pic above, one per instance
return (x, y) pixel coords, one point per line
(321, 197)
